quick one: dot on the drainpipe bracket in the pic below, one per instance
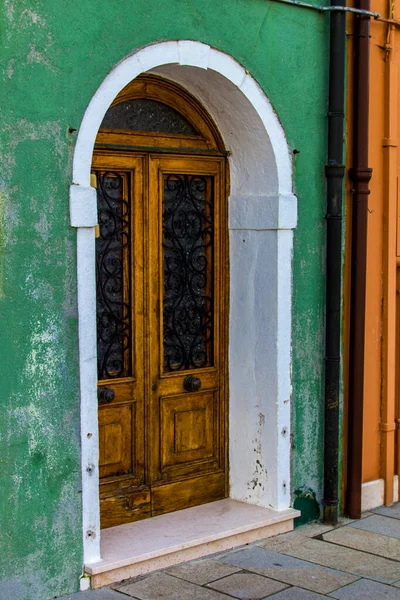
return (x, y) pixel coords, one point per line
(389, 143)
(387, 427)
(360, 174)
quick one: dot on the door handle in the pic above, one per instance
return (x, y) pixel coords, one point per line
(105, 395)
(192, 384)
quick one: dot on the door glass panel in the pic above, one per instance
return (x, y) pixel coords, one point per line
(143, 114)
(113, 277)
(188, 255)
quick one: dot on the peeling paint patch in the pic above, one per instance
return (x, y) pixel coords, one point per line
(24, 130)
(10, 68)
(9, 4)
(43, 226)
(260, 472)
(35, 56)
(34, 17)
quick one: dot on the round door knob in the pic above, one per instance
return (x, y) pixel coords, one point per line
(192, 384)
(105, 395)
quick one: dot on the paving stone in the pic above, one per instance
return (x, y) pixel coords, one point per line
(346, 559)
(294, 537)
(288, 570)
(103, 594)
(298, 534)
(247, 586)
(366, 541)
(254, 556)
(284, 543)
(367, 590)
(295, 593)
(388, 511)
(379, 524)
(165, 587)
(202, 571)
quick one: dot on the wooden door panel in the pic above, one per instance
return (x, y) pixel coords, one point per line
(124, 506)
(120, 313)
(188, 432)
(187, 493)
(116, 426)
(187, 428)
(173, 383)
(162, 443)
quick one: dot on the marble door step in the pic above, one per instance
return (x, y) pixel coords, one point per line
(138, 548)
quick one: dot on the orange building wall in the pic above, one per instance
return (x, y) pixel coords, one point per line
(373, 348)
(380, 335)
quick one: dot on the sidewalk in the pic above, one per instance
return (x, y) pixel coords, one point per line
(358, 559)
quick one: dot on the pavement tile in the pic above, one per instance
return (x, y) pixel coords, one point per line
(254, 556)
(103, 594)
(297, 535)
(281, 543)
(202, 571)
(388, 511)
(295, 593)
(165, 587)
(247, 586)
(367, 590)
(347, 560)
(379, 524)
(366, 541)
(288, 570)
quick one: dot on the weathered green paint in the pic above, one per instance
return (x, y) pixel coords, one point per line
(54, 56)
(306, 502)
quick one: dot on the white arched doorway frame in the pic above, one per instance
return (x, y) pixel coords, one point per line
(262, 216)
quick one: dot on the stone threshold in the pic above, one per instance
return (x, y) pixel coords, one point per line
(144, 546)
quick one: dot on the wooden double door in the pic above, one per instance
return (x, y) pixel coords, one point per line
(162, 336)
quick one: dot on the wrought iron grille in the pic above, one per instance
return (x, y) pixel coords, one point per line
(188, 249)
(142, 114)
(113, 281)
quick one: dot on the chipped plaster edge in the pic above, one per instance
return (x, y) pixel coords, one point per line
(199, 55)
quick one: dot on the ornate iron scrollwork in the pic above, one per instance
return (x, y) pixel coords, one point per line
(143, 114)
(113, 284)
(188, 237)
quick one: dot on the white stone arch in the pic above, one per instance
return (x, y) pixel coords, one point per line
(262, 216)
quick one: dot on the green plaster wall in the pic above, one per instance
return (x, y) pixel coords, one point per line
(54, 55)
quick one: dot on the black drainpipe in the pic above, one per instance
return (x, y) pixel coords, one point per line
(334, 171)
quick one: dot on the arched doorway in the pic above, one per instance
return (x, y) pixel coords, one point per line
(159, 167)
(262, 215)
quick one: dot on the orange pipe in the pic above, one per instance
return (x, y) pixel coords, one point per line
(387, 425)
